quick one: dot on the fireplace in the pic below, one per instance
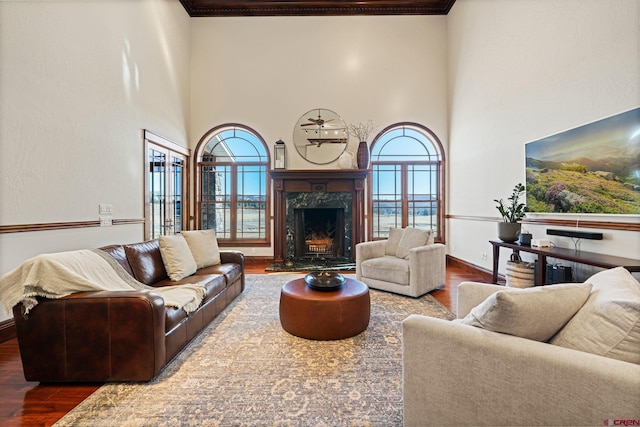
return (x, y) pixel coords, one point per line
(318, 233)
(318, 214)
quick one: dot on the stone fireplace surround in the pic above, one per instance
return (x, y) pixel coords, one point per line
(325, 188)
(334, 207)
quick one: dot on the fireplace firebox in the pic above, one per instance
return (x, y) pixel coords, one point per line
(318, 233)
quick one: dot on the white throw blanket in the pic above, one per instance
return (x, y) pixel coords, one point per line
(60, 274)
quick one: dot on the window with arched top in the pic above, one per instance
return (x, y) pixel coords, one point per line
(406, 186)
(232, 194)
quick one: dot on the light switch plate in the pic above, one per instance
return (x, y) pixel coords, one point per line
(106, 209)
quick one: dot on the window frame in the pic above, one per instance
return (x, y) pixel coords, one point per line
(198, 164)
(171, 150)
(440, 164)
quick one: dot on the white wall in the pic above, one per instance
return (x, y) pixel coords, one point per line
(78, 83)
(522, 70)
(267, 72)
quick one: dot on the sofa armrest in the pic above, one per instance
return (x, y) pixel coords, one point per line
(454, 374)
(232, 257)
(93, 336)
(428, 267)
(471, 294)
(368, 250)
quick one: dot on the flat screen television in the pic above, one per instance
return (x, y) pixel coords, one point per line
(593, 168)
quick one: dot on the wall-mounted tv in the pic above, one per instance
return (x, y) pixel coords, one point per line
(593, 168)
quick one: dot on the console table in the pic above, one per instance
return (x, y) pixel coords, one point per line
(587, 258)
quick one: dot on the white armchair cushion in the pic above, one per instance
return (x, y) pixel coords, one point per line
(533, 313)
(204, 247)
(395, 234)
(411, 238)
(176, 257)
(609, 323)
(388, 269)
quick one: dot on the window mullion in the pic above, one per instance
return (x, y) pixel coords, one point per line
(405, 194)
(233, 211)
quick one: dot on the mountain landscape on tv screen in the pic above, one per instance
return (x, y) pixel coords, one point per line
(594, 168)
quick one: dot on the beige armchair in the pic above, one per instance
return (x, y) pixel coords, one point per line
(408, 263)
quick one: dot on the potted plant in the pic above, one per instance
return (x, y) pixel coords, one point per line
(512, 212)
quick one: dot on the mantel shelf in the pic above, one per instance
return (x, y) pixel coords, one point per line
(317, 173)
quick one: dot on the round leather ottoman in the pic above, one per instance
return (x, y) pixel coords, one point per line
(324, 315)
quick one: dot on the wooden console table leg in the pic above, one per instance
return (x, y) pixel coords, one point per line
(496, 258)
(541, 274)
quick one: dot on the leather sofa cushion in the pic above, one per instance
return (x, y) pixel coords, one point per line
(388, 269)
(172, 318)
(146, 262)
(213, 283)
(117, 252)
(231, 271)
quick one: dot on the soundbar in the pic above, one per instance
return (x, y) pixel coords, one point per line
(577, 234)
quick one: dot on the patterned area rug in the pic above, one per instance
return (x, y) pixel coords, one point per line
(245, 370)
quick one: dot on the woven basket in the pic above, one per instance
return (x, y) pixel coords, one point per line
(520, 274)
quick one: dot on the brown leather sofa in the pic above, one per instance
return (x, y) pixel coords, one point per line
(121, 335)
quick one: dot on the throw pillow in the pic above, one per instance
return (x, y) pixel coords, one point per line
(411, 238)
(395, 234)
(177, 257)
(532, 313)
(204, 247)
(609, 323)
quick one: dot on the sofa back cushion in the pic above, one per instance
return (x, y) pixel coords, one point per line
(532, 313)
(117, 252)
(204, 247)
(146, 262)
(609, 322)
(177, 257)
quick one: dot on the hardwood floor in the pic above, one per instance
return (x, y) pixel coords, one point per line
(25, 403)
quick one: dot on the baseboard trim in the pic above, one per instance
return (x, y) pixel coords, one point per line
(468, 267)
(248, 259)
(7, 330)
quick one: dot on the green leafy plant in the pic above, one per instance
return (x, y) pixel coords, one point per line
(513, 211)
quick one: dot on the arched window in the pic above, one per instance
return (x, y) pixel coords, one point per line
(406, 187)
(232, 186)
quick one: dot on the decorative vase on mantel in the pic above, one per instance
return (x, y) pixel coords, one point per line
(362, 156)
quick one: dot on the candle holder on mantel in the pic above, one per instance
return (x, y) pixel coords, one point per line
(279, 155)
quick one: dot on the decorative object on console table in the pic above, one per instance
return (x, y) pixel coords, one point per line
(280, 155)
(362, 131)
(525, 238)
(512, 213)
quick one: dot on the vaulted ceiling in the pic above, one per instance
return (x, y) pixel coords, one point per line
(316, 7)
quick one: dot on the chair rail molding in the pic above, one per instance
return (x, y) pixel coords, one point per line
(46, 226)
(606, 225)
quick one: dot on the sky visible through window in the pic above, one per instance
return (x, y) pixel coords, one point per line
(402, 144)
(238, 145)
